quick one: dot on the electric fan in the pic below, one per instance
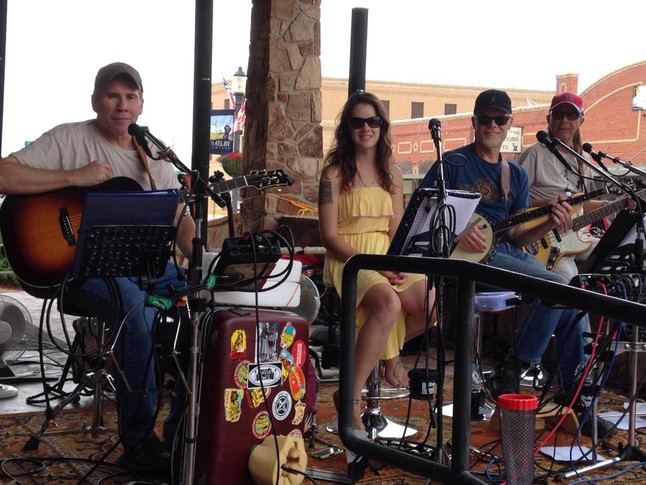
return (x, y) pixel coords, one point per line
(310, 302)
(16, 331)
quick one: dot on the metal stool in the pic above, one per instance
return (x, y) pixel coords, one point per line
(88, 367)
(377, 424)
(486, 302)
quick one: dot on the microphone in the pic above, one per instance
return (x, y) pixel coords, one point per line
(435, 126)
(141, 133)
(138, 133)
(588, 149)
(545, 139)
(595, 156)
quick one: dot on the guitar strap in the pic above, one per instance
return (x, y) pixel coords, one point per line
(505, 184)
(144, 161)
(581, 179)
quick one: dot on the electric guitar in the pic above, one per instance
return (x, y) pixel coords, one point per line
(556, 244)
(40, 231)
(491, 230)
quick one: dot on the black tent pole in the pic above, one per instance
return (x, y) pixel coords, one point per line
(3, 50)
(202, 95)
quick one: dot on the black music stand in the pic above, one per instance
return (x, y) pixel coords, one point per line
(121, 234)
(422, 227)
(616, 252)
(413, 235)
(126, 234)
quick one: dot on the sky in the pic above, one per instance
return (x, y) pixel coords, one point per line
(55, 47)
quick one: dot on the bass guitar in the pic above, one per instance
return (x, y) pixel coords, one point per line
(492, 230)
(40, 231)
(556, 244)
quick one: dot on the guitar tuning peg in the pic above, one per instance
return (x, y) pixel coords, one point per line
(216, 177)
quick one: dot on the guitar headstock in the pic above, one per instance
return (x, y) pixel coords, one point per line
(262, 179)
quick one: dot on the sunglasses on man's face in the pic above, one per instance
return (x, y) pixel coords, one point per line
(357, 123)
(486, 120)
(570, 115)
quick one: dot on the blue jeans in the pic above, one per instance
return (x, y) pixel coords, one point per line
(541, 321)
(133, 348)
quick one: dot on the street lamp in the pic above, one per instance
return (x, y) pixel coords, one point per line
(238, 85)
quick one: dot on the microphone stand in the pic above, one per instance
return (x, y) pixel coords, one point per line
(631, 452)
(196, 305)
(439, 454)
(626, 164)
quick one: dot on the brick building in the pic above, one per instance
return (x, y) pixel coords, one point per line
(611, 125)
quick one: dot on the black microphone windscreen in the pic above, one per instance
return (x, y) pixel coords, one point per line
(587, 148)
(434, 123)
(544, 138)
(134, 129)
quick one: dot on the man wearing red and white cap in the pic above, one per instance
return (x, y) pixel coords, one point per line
(549, 178)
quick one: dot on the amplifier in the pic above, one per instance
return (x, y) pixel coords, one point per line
(250, 249)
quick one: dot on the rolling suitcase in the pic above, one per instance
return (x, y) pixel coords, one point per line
(254, 384)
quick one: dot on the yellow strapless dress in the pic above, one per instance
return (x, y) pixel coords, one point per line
(364, 216)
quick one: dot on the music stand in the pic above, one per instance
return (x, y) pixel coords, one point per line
(125, 234)
(420, 229)
(413, 234)
(615, 251)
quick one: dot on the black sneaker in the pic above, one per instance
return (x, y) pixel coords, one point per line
(504, 379)
(533, 376)
(147, 457)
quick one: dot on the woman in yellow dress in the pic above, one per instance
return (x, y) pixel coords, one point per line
(360, 206)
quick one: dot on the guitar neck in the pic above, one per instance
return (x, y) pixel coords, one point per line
(601, 212)
(228, 185)
(542, 211)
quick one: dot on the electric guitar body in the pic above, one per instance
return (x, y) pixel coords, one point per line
(557, 244)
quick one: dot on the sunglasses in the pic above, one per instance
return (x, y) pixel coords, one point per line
(486, 120)
(559, 115)
(356, 123)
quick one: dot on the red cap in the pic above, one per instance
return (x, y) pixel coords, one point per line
(517, 402)
(569, 98)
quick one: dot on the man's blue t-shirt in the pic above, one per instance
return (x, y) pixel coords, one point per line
(464, 169)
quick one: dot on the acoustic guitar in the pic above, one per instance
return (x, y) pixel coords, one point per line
(556, 244)
(40, 231)
(492, 230)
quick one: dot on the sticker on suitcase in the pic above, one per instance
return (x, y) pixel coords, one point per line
(233, 404)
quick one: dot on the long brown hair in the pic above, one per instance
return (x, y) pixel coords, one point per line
(342, 152)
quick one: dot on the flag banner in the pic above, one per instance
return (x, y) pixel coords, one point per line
(221, 132)
(230, 93)
(241, 117)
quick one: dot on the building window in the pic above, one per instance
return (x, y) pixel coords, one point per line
(386, 103)
(416, 110)
(450, 108)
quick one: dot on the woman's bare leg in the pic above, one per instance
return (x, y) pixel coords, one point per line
(382, 305)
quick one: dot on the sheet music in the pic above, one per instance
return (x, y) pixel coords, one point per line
(412, 236)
